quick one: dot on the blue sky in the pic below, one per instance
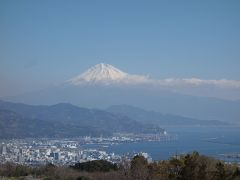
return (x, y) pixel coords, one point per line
(46, 42)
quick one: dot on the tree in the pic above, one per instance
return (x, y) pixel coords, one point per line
(175, 168)
(202, 171)
(97, 165)
(139, 168)
(220, 173)
(236, 173)
(188, 170)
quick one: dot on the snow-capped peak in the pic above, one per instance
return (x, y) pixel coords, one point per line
(105, 74)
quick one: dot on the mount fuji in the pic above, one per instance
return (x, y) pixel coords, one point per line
(104, 85)
(106, 74)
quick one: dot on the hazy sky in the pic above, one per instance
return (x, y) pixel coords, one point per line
(47, 42)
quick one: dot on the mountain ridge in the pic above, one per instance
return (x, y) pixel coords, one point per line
(147, 116)
(14, 125)
(73, 118)
(97, 96)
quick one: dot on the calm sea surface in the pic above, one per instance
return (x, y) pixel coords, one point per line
(212, 141)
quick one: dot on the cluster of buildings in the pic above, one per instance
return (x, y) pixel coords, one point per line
(42, 151)
(60, 151)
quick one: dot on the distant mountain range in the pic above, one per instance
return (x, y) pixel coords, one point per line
(13, 125)
(64, 120)
(19, 120)
(103, 85)
(154, 117)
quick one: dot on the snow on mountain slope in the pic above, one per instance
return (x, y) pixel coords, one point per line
(107, 74)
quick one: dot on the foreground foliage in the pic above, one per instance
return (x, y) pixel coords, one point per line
(188, 167)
